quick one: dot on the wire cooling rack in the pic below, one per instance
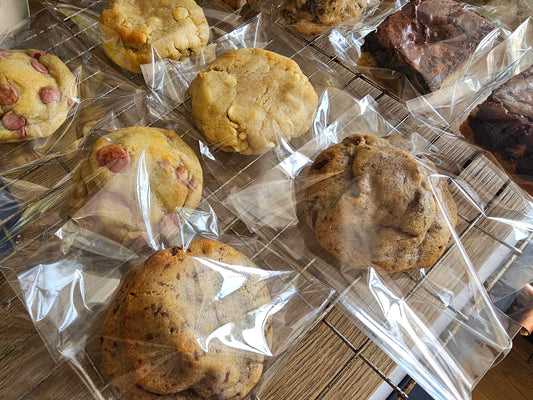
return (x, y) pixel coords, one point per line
(483, 240)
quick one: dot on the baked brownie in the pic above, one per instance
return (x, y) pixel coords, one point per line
(503, 124)
(427, 40)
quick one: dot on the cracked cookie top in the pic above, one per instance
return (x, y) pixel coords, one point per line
(133, 30)
(371, 204)
(167, 333)
(250, 100)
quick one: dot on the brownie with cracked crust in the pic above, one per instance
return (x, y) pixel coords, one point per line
(503, 125)
(429, 41)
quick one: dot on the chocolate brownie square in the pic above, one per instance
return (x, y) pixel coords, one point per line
(503, 125)
(428, 40)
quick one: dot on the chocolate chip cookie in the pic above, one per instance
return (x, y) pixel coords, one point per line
(370, 204)
(133, 30)
(134, 177)
(36, 92)
(312, 17)
(166, 333)
(250, 100)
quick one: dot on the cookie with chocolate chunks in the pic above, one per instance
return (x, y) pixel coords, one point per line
(165, 334)
(36, 92)
(133, 177)
(312, 17)
(371, 204)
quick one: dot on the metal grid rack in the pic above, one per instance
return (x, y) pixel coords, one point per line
(359, 345)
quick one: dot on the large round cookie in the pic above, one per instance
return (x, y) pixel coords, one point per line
(161, 334)
(133, 177)
(133, 30)
(314, 17)
(36, 92)
(370, 204)
(249, 100)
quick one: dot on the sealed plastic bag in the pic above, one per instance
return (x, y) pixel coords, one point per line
(62, 104)
(436, 322)
(422, 47)
(205, 318)
(317, 17)
(223, 307)
(252, 104)
(177, 30)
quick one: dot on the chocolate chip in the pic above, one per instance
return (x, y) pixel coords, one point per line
(38, 54)
(113, 157)
(49, 95)
(4, 53)
(38, 66)
(8, 95)
(321, 161)
(149, 336)
(12, 121)
(158, 309)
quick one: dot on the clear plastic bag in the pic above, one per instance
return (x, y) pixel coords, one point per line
(92, 82)
(170, 81)
(317, 18)
(68, 273)
(187, 34)
(426, 64)
(449, 109)
(446, 107)
(437, 323)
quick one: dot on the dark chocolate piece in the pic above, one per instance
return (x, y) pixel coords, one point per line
(427, 40)
(503, 124)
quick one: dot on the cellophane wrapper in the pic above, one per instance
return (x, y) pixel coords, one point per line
(437, 323)
(346, 41)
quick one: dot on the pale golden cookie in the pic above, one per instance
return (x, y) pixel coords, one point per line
(134, 177)
(370, 204)
(36, 92)
(249, 100)
(160, 336)
(315, 16)
(133, 30)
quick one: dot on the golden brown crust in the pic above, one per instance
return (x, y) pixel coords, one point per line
(251, 99)
(371, 205)
(133, 30)
(160, 332)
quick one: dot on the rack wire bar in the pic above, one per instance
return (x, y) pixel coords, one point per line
(360, 362)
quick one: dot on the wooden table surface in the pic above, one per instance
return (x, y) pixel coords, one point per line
(335, 361)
